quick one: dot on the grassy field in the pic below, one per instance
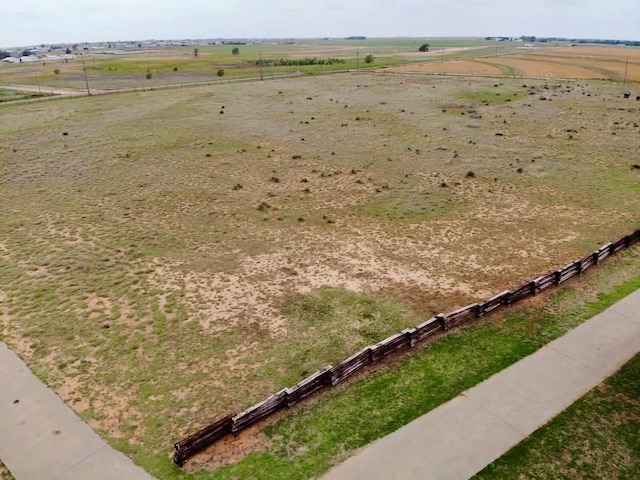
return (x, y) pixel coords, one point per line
(169, 257)
(179, 65)
(597, 437)
(581, 62)
(9, 95)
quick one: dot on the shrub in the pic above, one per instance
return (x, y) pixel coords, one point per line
(175, 69)
(220, 72)
(424, 47)
(56, 71)
(369, 58)
(235, 51)
(470, 174)
(148, 75)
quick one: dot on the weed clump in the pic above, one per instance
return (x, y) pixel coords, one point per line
(471, 174)
(264, 207)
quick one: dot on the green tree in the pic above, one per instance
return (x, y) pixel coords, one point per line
(68, 51)
(424, 47)
(195, 52)
(369, 58)
(235, 51)
(148, 75)
(221, 72)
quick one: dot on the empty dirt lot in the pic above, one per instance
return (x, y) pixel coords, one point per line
(169, 257)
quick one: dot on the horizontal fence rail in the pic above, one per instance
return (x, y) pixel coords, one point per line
(330, 376)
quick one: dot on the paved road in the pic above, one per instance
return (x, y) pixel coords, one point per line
(461, 437)
(41, 438)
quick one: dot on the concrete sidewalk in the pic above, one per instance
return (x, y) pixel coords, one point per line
(41, 438)
(461, 437)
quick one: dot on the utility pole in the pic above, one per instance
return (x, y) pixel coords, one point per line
(260, 55)
(86, 79)
(626, 68)
(36, 74)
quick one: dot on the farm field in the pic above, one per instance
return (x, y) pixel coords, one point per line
(169, 257)
(178, 65)
(581, 62)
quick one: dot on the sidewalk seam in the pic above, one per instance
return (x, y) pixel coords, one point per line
(576, 361)
(79, 462)
(494, 414)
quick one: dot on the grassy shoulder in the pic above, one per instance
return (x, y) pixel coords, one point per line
(316, 436)
(596, 437)
(5, 474)
(11, 95)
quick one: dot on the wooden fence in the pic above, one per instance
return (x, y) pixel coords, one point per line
(331, 376)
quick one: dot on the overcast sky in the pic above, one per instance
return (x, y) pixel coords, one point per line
(28, 22)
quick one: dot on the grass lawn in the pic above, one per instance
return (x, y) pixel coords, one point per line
(596, 437)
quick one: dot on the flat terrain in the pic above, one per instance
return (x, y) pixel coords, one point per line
(110, 69)
(169, 257)
(580, 62)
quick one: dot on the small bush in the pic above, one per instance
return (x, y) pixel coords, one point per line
(264, 207)
(220, 72)
(148, 75)
(57, 71)
(471, 174)
(175, 69)
(369, 58)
